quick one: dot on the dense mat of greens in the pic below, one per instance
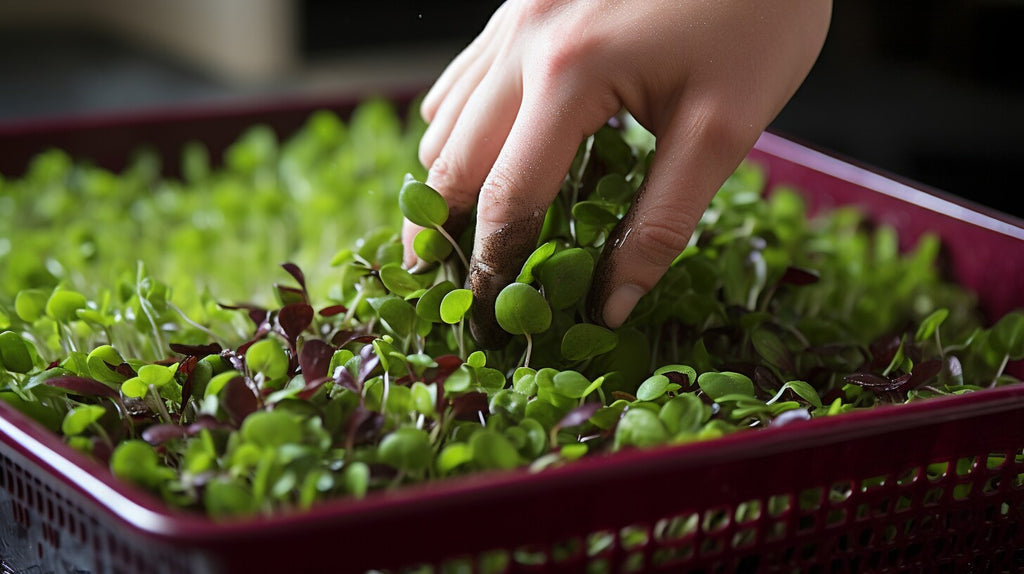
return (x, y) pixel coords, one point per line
(235, 394)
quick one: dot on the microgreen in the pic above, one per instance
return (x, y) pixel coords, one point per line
(201, 368)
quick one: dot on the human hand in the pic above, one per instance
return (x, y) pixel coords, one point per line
(508, 114)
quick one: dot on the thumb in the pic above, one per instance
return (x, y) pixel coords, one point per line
(695, 154)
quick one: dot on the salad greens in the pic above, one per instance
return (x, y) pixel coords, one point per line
(151, 322)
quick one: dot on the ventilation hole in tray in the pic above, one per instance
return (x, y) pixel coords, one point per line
(747, 512)
(904, 502)
(459, 564)
(715, 520)
(995, 460)
(840, 492)
(866, 537)
(809, 551)
(873, 483)
(908, 477)
(836, 517)
(633, 562)
(992, 484)
(672, 556)
(744, 538)
(676, 528)
(889, 534)
(775, 531)
(530, 556)
(567, 550)
(962, 491)
(937, 471)
(966, 465)
(634, 537)
(782, 504)
(811, 499)
(600, 542)
(712, 546)
(806, 524)
(933, 496)
(599, 566)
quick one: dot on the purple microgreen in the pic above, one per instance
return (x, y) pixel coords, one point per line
(83, 386)
(332, 310)
(294, 318)
(196, 350)
(799, 276)
(577, 416)
(238, 400)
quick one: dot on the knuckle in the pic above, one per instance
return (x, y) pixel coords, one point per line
(659, 240)
(447, 173)
(500, 198)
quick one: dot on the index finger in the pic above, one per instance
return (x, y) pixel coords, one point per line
(515, 196)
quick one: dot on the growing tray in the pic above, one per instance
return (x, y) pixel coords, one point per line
(917, 487)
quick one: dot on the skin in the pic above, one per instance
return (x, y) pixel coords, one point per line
(508, 114)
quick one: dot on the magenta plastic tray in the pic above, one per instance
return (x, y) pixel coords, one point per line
(909, 488)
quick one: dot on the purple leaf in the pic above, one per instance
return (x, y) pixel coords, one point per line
(368, 361)
(83, 386)
(578, 415)
(189, 368)
(342, 338)
(290, 295)
(315, 359)
(362, 426)
(238, 400)
(258, 315)
(161, 433)
(923, 372)
(332, 310)
(295, 272)
(799, 276)
(196, 350)
(295, 318)
(467, 406)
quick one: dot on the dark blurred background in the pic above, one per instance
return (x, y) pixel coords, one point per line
(929, 90)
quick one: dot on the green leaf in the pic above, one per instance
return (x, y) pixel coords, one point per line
(653, 388)
(690, 372)
(453, 455)
(134, 388)
(583, 341)
(431, 245)
(455, 305)
(683, 414)
(398, 280)
(930, 325)
(14, 353)
(571, 384)
(521, 310)
(803, 390)
(716, 385)
(98, 361)
(79, 418)
(566, 277)
(63, 305)
(406, 449)
(225, 497)
(422, 204)
(157, 375)
(271, 428)
(355, 478)
(640, 428)
(30, 304)
(429, 305)
(539, 255)
(492, 450)
(399, 315)
(268, 357)
(1008, 335)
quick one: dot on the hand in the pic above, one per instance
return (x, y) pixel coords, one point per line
(508, 114)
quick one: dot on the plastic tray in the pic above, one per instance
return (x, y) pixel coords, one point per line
(908, 488)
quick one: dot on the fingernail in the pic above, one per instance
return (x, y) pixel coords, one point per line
(620, 303)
